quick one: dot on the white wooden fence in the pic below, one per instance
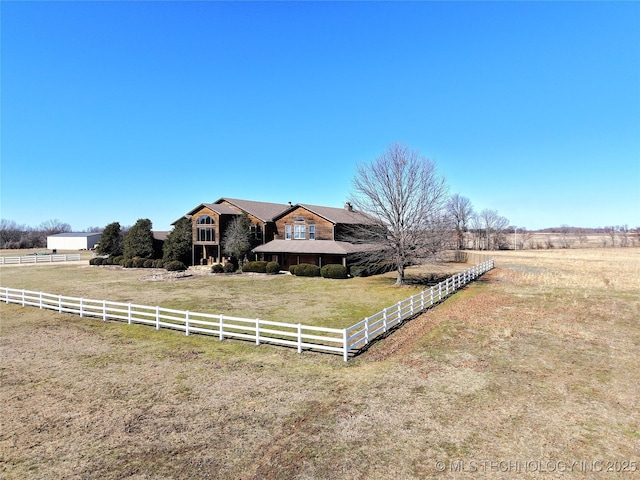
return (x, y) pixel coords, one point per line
(359, 335)
(346, 341)
(39, 259)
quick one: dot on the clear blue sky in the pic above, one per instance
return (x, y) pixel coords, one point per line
(114, 111)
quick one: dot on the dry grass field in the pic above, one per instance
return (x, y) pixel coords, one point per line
(531, 372)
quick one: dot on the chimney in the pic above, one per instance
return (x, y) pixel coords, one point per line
(290, 204)
(348, 206)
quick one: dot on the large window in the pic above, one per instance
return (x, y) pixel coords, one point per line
(205, 231)
(287, 232)
(299, 232)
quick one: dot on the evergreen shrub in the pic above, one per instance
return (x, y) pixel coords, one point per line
(273, 267)
(259, 266)
(217, 268)
(334, 271)
(307, 270)
(175, 266)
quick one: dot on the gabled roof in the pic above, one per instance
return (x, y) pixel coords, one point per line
(214, 207)
(220, 209)
(264, 211)
(336, 215)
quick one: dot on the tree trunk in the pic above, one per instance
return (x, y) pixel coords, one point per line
(400, 279)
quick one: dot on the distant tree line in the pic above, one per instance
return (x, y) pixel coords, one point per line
(14, 235)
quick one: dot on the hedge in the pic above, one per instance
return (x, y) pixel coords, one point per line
(305, 270)
(273, 267)
(334, 271)
(175, 266)
(259, 266)
(217, 268)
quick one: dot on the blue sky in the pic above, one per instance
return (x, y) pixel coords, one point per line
(115, 111)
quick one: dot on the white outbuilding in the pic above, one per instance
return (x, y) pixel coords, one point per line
(73, 241)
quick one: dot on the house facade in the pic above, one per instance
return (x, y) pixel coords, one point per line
(285, 233)
(313, 234)
(209, 222)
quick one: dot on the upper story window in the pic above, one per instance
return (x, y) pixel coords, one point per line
(312, 232)
(256, 231)
(287, 232)
(299, 232)
(205, 232)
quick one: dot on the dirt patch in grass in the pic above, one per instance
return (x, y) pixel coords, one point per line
(514, 368)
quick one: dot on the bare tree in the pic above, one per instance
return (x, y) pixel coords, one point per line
(492, 227)
(402, 191)
(623, 230)
(237, 238)
(460, 210)
(10, 233)
(582, 236)
(611, 232)
(53, 227)
(525, 237)
(565, 241)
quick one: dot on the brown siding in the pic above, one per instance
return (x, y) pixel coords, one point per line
(324, 228)
(194, 224)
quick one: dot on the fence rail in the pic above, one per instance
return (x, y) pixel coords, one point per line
(330, 340)
(359, 335)
(39, 259)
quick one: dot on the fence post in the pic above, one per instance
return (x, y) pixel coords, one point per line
(104, 310)
(221, 327)
(59, 303)
(384, 320)
(346, 346)
(23, 301)
(440, 291)
(366, 330)
(40, 300)
(299, 338)
(431, 294)
(157, 318)
(81, 312)
(186, 323)
(129, 320)
(399, 312)
(257, 331)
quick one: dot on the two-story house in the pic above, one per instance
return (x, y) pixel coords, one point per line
(314, 234)
(285, 233)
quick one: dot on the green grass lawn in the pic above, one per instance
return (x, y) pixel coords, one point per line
(283, 298)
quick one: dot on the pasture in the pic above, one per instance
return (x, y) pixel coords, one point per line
(530, 372)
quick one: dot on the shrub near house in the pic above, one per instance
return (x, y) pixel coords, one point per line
(334, 271)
